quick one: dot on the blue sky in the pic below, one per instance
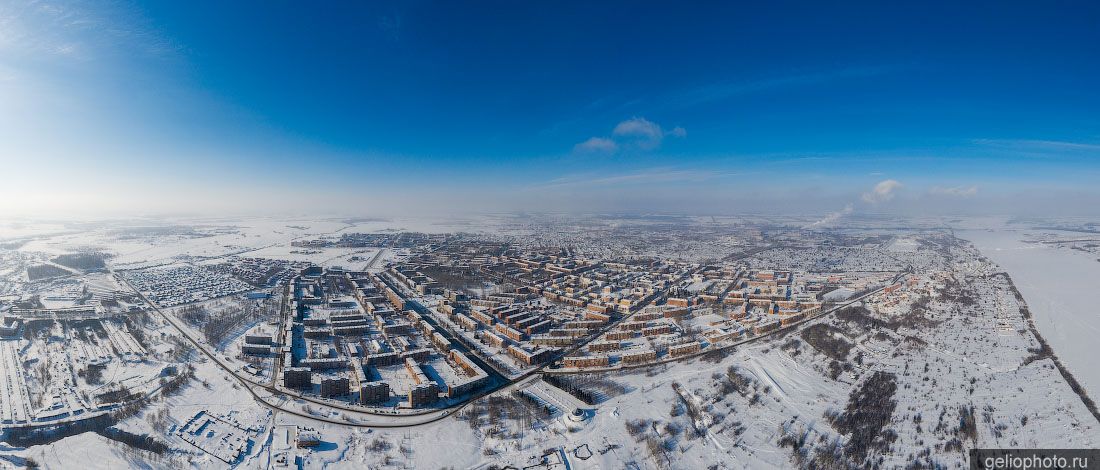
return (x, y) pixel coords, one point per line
(422, 106)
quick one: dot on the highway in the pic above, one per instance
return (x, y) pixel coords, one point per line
(374, 261)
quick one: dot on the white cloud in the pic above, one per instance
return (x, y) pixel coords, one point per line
(882, 192)
(596, 145)
(645, 176)
(958, 191)
(639, 127)
(1039, 144)
(641, 132)
(636, 132)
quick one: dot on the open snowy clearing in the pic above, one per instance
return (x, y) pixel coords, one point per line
(1060, 288)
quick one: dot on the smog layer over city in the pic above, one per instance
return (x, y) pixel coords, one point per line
(549, 235)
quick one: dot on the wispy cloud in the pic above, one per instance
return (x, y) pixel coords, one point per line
(957, 191)
(657, 100)
(639, 127)
(45, 31)
(722, 91)
(646, 176)
(390, 25)
(596, 145)
(636, 132)
(1040, 148)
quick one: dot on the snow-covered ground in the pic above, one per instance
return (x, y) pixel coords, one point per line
(953, 345)
(1062, 291)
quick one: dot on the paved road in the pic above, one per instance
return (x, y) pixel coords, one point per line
(374, 261)
(263, 393)
(277, 399)
(796, 325)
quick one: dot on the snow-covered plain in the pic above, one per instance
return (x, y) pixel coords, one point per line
(1062, 292)
(972, 355)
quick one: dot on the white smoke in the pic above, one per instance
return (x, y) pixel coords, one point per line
(882, 192)
(833, 217)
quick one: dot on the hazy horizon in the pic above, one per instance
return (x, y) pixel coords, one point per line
(584, 235)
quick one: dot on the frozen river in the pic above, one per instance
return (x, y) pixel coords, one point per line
(1062, 289)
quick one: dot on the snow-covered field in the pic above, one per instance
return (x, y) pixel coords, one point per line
(950, 353)
(1062, 290)
(960, 378)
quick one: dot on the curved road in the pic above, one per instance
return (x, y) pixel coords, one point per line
(421, 418)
